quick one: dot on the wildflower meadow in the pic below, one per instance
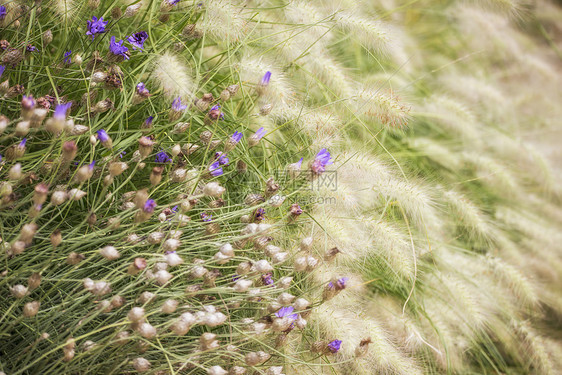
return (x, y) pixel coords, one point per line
(280, 187)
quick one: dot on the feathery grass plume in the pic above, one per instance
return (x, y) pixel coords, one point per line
(401, 325)
(173, 76)
(437, 152)
(509, 7)
(312, 24)
(494, 174)
(485, 98)
(224, 20)
(533, 346)
(342, 318)
(475, 222)
(454, 116)
(515, 280)
(387, 108)
(280, 91)
(329, 72)
(488, 32)
(377, 36)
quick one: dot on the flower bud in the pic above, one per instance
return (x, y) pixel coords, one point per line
(47, 37)
(180, 327)
(69, 150)
(216, 370)
(27, 232)
(79, 130)
(169, 306)
(76, 194)
(31, 308)
(285, 299)
(74, 258)
(256, 358)
(132, 10)
(116, 168)
(263, 266)
(156, 175)
(19, 291)
(172, 258)
(110, 253)
(59, 197)
(213, 189)
(147, 331)
(242, 285)
(146, 297)
(162, 277)
(145, 147)
(22, 128)
(34, 281)
(136, 314)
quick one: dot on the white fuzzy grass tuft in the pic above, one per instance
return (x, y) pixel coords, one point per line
(437, 152)
(280, 91)
(509, 7)
(454, 116)
(377, 36)
(477, 224)
(494, 174)
(173, 76)
(344, 319)
(515, 280)
(386, 107)
(330, 73)
(224, 21)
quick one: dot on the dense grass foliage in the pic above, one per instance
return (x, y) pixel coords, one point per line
(280, 187)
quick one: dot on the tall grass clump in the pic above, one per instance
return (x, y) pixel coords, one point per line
(275, 187)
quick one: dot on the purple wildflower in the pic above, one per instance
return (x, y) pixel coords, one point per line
(177, 106)
(149, 206)
(256, 137)
(30, 48)
(215, 113)
(259, 214)
(287, 312)
(215, 169)
(334, 346)
(236, 137)
(137, 40)
(265, 79)
(260, 133)
(102, 135)
(121, 154)
(118, 49)
(221, 158)
(162, 157)
(321, 159)
(142, 90)
(296, 210)
(148, 121)
(298, 164)
(91, 165)
(206, 217)
(267, 279)
(62, 109)
(339, 284)
(27, 102)
(22, 143)
(2, 12)
(96, 26)
(67, 60)
(2, 68)
(171, 2)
